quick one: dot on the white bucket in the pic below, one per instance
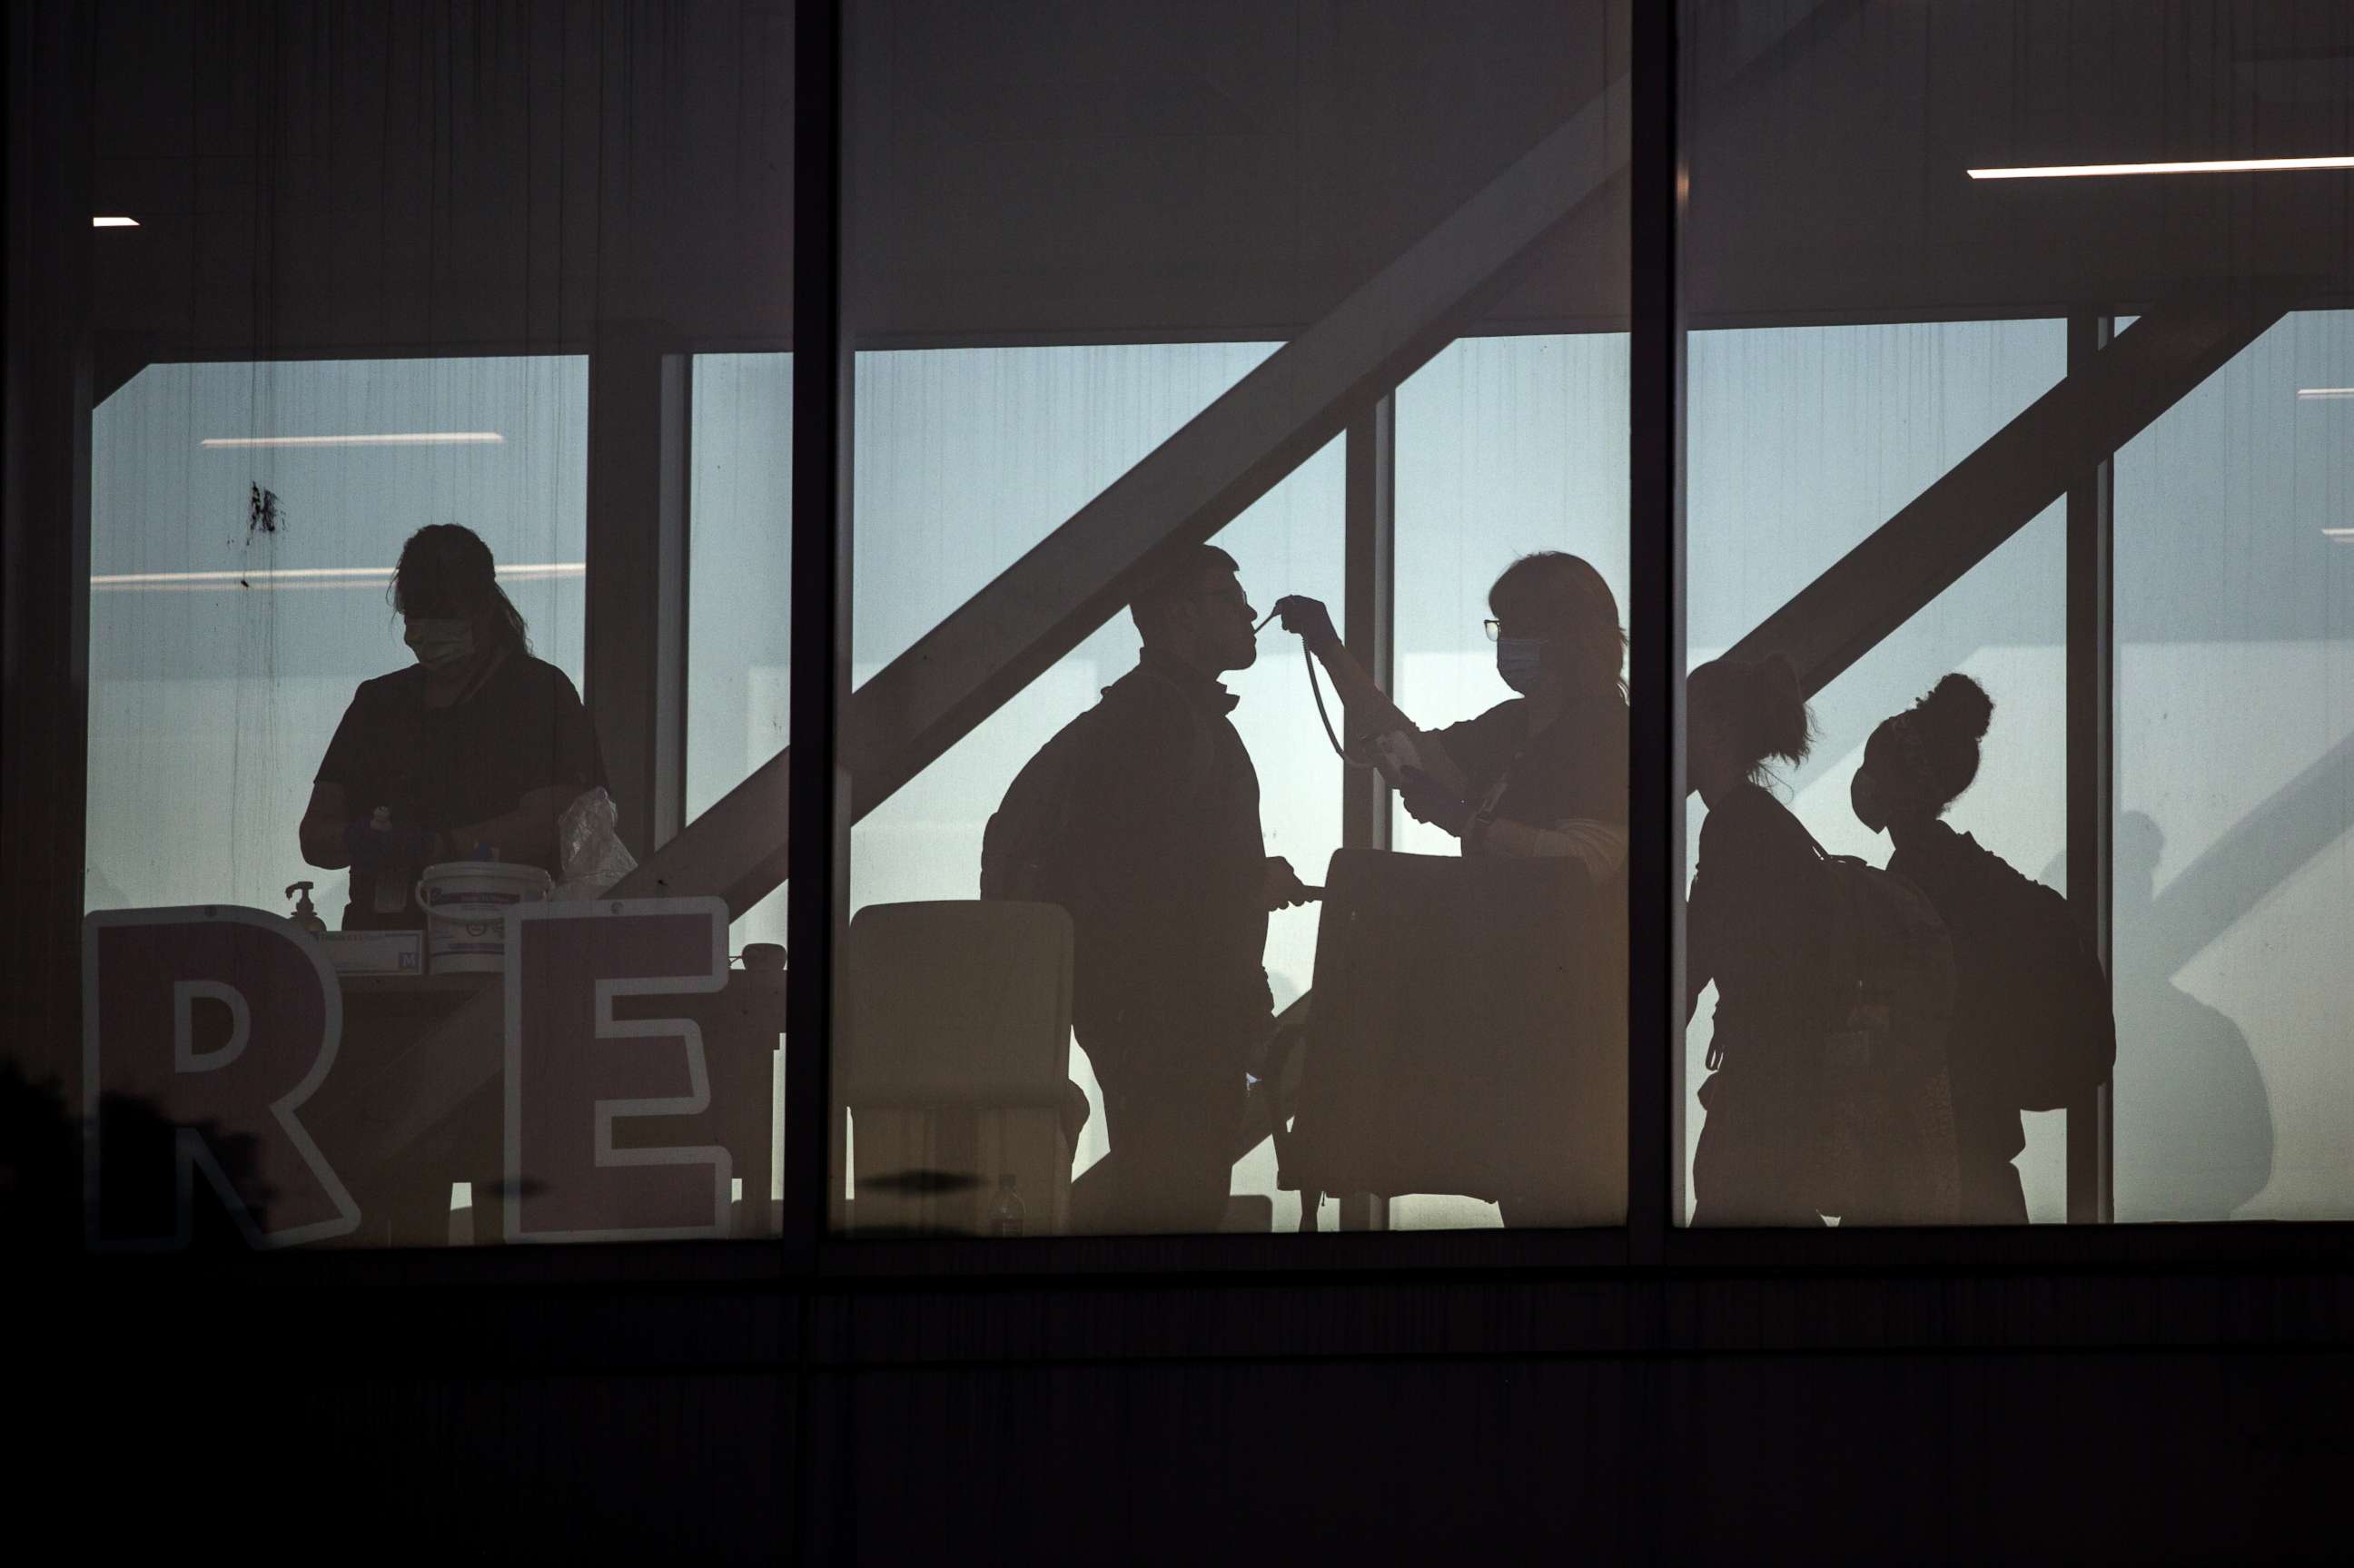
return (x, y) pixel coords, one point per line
(465, 904)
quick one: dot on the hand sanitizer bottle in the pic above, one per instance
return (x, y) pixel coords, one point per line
(306, 914)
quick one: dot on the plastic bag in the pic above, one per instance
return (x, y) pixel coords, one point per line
(592, 856)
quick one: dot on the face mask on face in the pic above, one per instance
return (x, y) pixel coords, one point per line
(1520, 661)
(1863, 794)
(439, 644)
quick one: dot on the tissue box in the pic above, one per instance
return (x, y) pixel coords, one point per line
(376, 952)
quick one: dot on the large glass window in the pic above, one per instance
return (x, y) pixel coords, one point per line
(739, 614)
(1804, 441)
(966, 457)
(394, 466)
(2235, 750)
(1506, 445)
(252, 707)
(245, 520)
(739, 590)
(2014, 633)
(1181, 1003)
(1197, 360)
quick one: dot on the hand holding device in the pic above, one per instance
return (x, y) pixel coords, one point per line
(1309, 620)
(1282, 885)
(1427, 800)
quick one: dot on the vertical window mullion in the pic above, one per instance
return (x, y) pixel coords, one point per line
(1656, 631)
(2091, 768)
(819, 810)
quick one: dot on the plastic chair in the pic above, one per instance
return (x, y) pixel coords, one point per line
(954, 1062)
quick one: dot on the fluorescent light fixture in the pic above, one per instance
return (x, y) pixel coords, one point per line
(2343, 536)
(403, 438)
(2204, 166)
(115, 223)
(2322, 394)
(307, 578)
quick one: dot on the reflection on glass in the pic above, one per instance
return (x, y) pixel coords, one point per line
(739, 591)
(240, 594)
(1512, 953)
(1263, 1020)
(951, 525)
(337, 643)
(1037, 432)
(2235, 744)
(1802, 442)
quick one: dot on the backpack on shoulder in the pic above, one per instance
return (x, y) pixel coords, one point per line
(1888, 1149)
(2059, 1039)
(1024, 845)
(1019, 858)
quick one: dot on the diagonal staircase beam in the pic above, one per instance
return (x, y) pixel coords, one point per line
(1195, 483)
(1991, 494)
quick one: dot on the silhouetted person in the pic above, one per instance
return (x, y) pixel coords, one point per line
(40, 1166)
(1156, 851)
(1542, 773)
(1914, 767)
(1760, 925)
(47, 1203)
(476, 743)
(2194, 1120)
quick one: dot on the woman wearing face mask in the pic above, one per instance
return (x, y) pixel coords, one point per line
(1914, 767)
(476, 744)
(1543, 773)
(1759, 923)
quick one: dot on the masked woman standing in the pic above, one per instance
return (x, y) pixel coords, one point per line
(476, 747)
(1542, 773)
(1539, 777)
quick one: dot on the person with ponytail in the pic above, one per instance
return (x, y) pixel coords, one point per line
(1541, 774)
(477, 745)
(1914, 767)
(1759, 923)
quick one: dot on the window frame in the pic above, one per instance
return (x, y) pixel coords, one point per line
(1650, 1240)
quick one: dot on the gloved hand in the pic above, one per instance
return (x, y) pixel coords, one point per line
(402, 845)
(1427, 800)
(1309, 619)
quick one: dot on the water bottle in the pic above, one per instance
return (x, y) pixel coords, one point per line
(390, 892)
(1006, 1216)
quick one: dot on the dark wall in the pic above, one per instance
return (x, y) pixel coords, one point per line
(1836, 1458)
(370, 175)
(506, 175)
(2142, 1414)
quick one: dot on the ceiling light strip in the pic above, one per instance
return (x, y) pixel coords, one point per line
(2201, 167)
(316, 577)
(402, 439)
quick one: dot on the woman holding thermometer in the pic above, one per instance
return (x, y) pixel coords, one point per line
(1542, 773)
